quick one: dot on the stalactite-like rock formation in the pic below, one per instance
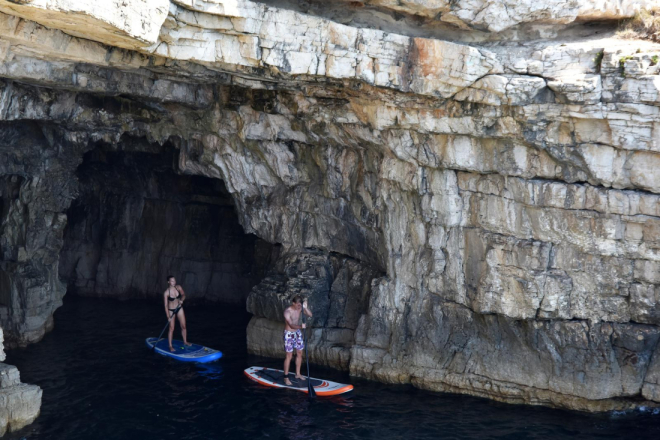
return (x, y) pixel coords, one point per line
(469, 194)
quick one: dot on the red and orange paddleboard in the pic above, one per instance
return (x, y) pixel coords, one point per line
(271, 377)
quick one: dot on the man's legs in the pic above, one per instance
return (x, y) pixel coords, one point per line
(287, 362)
(299, 356)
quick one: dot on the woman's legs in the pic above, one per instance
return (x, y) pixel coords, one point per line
(184, 331)
(170, 332)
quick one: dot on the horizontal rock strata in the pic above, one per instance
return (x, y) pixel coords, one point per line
(498, 15)
(493, 207)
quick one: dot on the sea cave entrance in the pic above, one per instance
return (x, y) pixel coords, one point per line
(136, 220)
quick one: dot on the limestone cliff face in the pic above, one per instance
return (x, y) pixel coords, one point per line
(472, 205)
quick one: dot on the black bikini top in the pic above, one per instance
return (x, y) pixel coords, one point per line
(170, 298)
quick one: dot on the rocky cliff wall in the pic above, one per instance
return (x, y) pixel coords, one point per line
(501, 189)
(338, 290)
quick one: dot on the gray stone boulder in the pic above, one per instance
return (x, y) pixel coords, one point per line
(19, 403)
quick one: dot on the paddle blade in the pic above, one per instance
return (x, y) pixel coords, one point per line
(310, 389)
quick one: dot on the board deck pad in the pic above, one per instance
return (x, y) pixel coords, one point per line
(278, 378)
(275, 378)
(182, 352)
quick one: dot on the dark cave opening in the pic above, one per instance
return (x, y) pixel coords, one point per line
(136, 220)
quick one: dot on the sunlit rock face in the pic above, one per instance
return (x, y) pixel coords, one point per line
(499, 15)
(471, 204)
(125, 23)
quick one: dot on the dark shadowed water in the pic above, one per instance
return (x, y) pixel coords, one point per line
(101, 382)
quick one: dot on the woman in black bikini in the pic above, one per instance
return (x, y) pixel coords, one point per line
(173, 299)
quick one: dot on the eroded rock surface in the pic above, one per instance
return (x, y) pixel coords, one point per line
(474, 218)
(19, 403)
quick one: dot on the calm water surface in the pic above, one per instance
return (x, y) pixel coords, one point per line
(100, 381)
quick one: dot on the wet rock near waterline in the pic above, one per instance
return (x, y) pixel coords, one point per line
(587, 366)
(19, 403)
(337, 290)
(330, 347)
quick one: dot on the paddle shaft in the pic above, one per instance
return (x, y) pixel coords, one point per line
(166, 325)
(310, 388)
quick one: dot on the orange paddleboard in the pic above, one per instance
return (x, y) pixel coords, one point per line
(271, 377)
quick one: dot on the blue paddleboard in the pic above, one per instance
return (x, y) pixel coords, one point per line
(192, 353)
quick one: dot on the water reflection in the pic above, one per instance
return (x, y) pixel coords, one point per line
(341, 400)
(212, 370)
(294, 418)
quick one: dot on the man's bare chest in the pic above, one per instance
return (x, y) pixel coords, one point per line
(294, 316)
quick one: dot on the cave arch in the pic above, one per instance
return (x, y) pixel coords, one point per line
(136, 220)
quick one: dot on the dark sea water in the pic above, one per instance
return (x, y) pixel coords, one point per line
(100, 381)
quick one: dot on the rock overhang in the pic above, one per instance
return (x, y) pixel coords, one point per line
(127, 23)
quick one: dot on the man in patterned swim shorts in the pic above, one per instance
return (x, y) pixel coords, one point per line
(293, 337)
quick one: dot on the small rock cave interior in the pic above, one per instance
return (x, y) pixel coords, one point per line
(136, 221)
